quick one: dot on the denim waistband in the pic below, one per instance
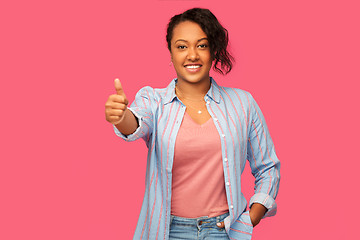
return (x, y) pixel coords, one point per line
(198, 221)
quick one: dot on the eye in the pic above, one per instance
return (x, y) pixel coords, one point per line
(181, 47)
(203, 45)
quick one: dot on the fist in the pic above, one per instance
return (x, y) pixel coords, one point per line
(116, 105)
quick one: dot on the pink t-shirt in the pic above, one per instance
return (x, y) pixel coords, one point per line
(198, 186)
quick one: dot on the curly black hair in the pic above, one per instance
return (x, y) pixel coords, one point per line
(217, 35)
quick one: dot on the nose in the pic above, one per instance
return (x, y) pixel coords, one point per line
(193, 54)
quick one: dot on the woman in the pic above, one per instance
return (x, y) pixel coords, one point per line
(199, 136)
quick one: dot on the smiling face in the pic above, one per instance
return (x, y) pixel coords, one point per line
(190, 53)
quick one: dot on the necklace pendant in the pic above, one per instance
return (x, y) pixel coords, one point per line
(199, 112)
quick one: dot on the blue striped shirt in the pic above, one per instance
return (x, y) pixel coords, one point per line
(244, 135)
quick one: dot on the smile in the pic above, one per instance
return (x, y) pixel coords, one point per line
(193, 68)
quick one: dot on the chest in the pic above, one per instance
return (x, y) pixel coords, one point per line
(199, 118)
(231, 124)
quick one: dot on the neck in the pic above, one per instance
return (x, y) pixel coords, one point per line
(193, 90)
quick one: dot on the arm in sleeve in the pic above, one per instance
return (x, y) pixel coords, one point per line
(265, 166)
(141, 107)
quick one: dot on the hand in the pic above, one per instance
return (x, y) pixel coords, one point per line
(116, 105)
(257, 212)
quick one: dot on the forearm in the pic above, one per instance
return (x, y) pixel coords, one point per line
(257, 212)
(129, 123)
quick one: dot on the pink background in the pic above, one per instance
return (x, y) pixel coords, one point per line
(64, 174)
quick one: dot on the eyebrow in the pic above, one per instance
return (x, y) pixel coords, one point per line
(187, 41)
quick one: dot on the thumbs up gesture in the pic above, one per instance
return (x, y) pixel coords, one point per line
(116, 105)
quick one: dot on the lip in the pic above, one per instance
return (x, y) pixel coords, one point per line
(193, 70)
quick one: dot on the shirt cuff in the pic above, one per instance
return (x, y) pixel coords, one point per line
(135, 135)
(267, 201)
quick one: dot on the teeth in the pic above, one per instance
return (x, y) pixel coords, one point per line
(192, 66)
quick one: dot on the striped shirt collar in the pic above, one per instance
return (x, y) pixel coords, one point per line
(213, 93)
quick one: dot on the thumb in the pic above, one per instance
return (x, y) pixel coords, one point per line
(220, 224)
(118, 87)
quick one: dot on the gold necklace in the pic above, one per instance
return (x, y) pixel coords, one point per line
(197, 110)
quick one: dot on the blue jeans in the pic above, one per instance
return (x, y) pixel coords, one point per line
(202, 228)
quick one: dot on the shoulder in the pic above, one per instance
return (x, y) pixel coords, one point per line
(236, 95)
(146, 92)
(151, 93)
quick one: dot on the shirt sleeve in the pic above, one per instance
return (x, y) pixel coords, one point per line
(141, 107)
(265, 165)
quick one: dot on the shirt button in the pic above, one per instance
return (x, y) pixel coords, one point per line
(207, 102)
(216, 119)
(231, 206)
(223, 135)
(225, 159)
(227, 183)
